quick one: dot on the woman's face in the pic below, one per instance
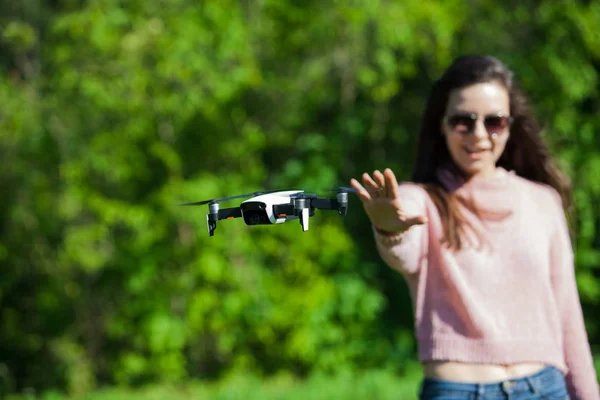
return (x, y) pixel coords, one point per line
(476, 127)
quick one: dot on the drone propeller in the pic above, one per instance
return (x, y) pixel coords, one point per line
(348, 189)
(218, 200)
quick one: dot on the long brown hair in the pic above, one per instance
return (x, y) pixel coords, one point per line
(525, 153)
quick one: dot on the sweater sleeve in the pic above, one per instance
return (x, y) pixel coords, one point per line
(581, 377)
(405, 252)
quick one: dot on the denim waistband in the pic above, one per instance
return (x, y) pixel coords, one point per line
(533, 382)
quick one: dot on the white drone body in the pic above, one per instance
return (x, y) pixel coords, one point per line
(275, 207)
(259, 210)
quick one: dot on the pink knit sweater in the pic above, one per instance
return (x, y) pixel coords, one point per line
(513, 299)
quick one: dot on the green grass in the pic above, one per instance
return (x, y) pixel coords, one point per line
(373, 385)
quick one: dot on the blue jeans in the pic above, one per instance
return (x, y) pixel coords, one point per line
(547, 384)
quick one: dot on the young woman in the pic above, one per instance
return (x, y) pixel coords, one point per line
(480, 236)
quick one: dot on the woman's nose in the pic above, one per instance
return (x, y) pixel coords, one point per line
(480, 130)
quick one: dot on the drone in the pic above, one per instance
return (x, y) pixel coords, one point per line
(275, 207)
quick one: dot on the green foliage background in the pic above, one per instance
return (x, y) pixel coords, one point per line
(113, 112)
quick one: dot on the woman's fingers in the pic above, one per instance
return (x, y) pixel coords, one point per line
(391, 183)
(371, 183)
(362, 193)
(388, 213)
(380, 179)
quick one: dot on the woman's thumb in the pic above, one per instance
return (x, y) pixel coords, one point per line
(417, 220)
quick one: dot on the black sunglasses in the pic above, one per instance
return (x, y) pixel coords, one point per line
(464, 123)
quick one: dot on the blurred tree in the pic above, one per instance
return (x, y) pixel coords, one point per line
(114, 112)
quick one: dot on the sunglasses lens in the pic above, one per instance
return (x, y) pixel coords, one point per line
(465, 123)
(496, 124)
(461, 123)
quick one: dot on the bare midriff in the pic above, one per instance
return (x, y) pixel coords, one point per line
(478, 373)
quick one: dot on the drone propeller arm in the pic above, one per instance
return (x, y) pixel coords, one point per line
(219, 214)
(227, 213)
(325, 204)
(330, 204)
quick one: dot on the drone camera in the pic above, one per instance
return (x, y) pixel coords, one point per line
(255, 213)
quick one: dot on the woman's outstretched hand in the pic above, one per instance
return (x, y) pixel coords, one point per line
(383, 206)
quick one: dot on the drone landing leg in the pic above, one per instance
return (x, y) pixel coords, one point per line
(304, 214)
(212, 225)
